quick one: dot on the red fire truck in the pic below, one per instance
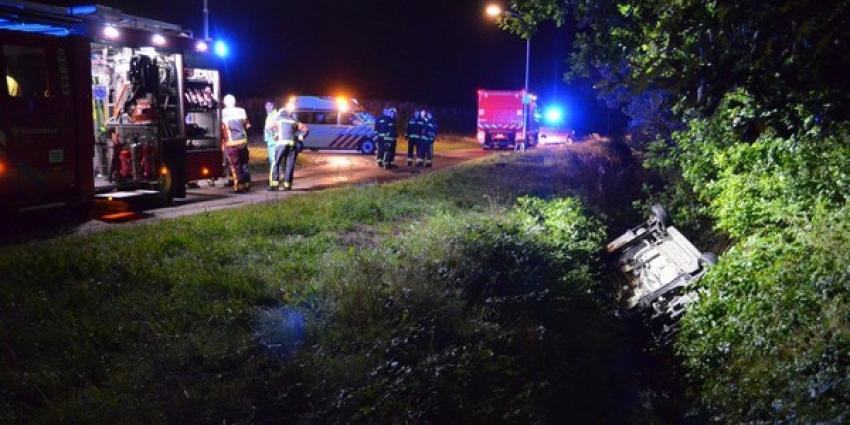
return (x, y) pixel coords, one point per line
(95, 102)
(501, 118)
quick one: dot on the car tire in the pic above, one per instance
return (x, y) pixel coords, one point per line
(707, 259)
(661, 215)
(367, 147)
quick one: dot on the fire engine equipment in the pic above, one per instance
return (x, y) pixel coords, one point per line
(133, 93)
(126, 170)
(149, 161)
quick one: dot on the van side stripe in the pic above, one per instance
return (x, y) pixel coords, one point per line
(354, 142)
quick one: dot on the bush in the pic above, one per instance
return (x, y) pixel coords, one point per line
(472, 319)
(769, 340)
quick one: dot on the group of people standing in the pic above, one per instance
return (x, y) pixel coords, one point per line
(284, 136)
(421, 134)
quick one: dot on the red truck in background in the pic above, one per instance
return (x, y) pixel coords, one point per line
(501, 118)
(98, 103)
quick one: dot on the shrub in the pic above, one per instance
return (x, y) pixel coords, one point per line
(472, 319)
(769, 340)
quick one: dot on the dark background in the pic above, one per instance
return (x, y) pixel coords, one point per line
(437, 52)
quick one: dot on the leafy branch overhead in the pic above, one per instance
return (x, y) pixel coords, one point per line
(780, 51)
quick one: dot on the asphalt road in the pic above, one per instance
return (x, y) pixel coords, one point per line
(327, 170)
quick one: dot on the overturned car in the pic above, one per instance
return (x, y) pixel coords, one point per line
(659, 262)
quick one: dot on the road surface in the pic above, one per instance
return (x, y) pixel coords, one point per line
(326, 170)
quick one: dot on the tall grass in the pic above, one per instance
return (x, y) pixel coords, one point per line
(157, 323)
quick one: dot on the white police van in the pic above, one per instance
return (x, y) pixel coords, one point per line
(334, 123)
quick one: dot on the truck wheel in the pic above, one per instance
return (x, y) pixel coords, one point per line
(166, 185)
(367, 147)
(707, 259)
(661, 215)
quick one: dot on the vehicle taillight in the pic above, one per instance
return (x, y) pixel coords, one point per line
(205, 171)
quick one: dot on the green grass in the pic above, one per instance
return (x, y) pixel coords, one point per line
(152, 323)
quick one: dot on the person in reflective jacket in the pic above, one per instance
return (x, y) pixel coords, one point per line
(235, 125)
(413, 134)
(429, 136)
(289, 133)
(269, 131)
(387, 138)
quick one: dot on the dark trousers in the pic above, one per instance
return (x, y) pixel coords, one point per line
(239, 167)
(389, 147)
(425, 151)
(412, 148)
(283, 169)
(381, 148)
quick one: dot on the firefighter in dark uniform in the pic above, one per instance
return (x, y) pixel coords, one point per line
(387, 138)
(412, 135)
(289, 133)
(429, 136)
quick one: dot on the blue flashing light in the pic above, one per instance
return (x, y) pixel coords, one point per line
(554, 115)
(88, 9)
(221, 49)
(33, 28)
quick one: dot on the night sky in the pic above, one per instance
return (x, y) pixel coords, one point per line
(437, 52)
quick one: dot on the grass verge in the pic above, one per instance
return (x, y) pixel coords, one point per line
(437, 299)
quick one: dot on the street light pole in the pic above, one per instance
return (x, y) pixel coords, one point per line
(526, 101)
(206, 20)
(494, 10)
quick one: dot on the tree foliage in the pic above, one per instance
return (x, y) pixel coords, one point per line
(759, 91)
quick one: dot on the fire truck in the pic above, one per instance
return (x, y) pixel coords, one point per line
(98, 103)
(501, 118)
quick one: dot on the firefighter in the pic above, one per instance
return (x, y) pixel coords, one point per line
(412, 135)
(429, 136)
(269, 131)
(235, 127)
(387, 138)
(290, 133)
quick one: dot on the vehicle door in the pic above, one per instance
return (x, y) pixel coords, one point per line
(323, 128)
(351, 131)
(38, 135)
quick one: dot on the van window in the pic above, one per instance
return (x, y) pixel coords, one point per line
(348, 118)
(26, 72)
(327, 118)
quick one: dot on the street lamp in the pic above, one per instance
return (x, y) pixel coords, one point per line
(496, 11)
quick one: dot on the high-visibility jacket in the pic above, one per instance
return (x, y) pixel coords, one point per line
(414, 128)
(288, 130)
(429, 130)
(386, 128)
(234, 120)
(271, 127)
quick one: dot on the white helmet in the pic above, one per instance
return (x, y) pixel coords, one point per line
(229, 101)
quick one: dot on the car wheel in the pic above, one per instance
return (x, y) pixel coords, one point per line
(367, 147)
(707, 259)
(661, 215)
